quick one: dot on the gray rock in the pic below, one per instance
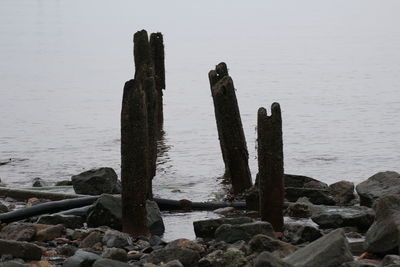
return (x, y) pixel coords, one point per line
(107, 210)
(232, 233)
(110, 263)
(174, 263)
(378, 185)
(342, 192)
(38, 182)
(266, 259)
(298, 233)
(336, 217)
(298, 210)
(206, 228)
(117, 254)
(331, 250)
(260, 243)
(383, 235)
(66, 250)
(96, 182)
(390, 260)
(23, 250)
(187, 257)
(69, 221)
(315, 195)
(14, 264)
(3, 208)
(358, 264)
(50, 233)
(301, 181)
(232, 257)
(81, 259)
(18, 232)
(117, 239)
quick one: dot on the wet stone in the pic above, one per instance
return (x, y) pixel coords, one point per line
(206, 228)
(118, 254)
(232, 233)
(18, 232)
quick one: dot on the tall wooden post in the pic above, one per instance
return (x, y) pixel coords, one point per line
(230, 129)
(134, 160)
(141, 50)
(158, 59)
(270, 166)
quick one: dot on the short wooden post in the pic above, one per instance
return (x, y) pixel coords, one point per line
(230, 129)
(141, 50)
(158, 59)
(134, 160)
(270, 166)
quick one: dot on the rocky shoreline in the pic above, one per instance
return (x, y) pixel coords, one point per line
(335, 225)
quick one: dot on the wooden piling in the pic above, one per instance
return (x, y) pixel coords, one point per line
(270, 166)
(134, 160)
(141, 50)
(230, 129)
(158, 59)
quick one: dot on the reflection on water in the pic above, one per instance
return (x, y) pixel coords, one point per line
(333, 67)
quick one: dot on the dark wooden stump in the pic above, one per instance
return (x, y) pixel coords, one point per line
(141, 50)
(158, 59)
(134, 160)
(230, 129)
(270, 166)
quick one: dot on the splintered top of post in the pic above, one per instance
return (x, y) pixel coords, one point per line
(141, 49)
(156, 37)
(275, 113)
(223, 87)
(221, 70)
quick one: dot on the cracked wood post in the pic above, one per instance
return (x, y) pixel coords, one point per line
(134, 160)
(158, 59)
(145, 75)
(230, 129)
(270, 166)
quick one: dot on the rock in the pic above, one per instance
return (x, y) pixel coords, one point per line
(96, 182)
(342, 192)
(81, 258)
(300, 181)
(174, 263)
(18, 232)
(232, 257)
(330, 250)
(378, 185)
(390, 260)
(186, 256)
(64, 183)
(3, 208)
(14, 264)
(358, 264)
(50, 233)
(67, 250)
(336, 217)
(116, 239)
(69, 221)
(92, 239)
(206, 228)
(260, 243)
(383, 235)
(185, 243)
(232, 233)
(109, 263)
(38, 182)
(316, 196)
(117, 254)
(21, 250)
(298, 233)
(107, 210)
(298, 210)
(266, 259)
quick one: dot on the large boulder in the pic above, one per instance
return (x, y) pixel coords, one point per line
(96, 182)
(301, 181)
(206, 228)
(383, 235)
(342, 192)
(378, 185)
(331, 250)
(107, 210)
(232, 233)
(315, 195)
(21, 250)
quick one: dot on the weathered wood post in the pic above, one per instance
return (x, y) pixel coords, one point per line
(230, 129)
(134, 160)
(270, 166)
(141, 50)
(158, 59)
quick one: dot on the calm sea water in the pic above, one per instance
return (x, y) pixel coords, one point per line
(334, 66)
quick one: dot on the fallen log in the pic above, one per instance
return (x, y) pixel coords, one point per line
(21, 194)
